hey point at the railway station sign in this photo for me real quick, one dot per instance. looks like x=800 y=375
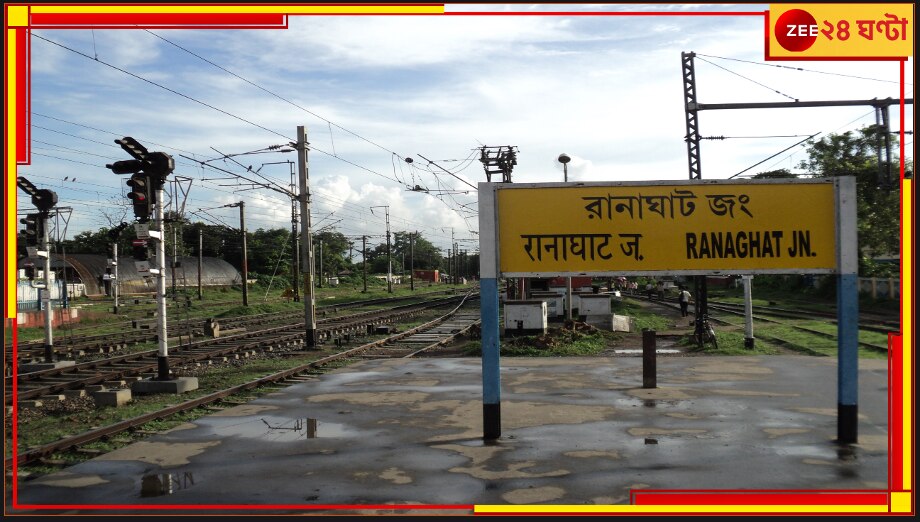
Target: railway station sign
x=681 y=227
x=693 y=227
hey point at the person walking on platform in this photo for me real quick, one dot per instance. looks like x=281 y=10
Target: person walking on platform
x=684 y=302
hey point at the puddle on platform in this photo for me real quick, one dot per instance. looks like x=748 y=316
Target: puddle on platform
x=278 y=429
x=162 y=484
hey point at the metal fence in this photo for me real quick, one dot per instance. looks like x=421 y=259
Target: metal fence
x=881 y=287
x=29 y=298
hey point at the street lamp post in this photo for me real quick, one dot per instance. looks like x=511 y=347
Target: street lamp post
x=565 y=159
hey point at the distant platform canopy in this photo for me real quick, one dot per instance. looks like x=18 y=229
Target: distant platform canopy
x=89 y=269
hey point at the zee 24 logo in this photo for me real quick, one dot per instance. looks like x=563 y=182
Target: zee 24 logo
x=797 y=30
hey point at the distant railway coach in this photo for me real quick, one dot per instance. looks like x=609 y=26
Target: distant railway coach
x=431 y=276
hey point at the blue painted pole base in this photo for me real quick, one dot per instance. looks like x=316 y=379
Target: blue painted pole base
x=491 y=421
x=847 y=423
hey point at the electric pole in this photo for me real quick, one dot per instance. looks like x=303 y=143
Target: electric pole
x=200 y=254
x=364 y=259
x=245 y=254
x=321 y=273
x=389 y=257
x=295 y=252
x=306 y=243
x=412 y=261
x=242 y=206
x=172 y=225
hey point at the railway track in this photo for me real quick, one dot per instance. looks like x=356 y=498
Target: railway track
x=866 y=322
x=738 y=310
x=421 y=339
x=826 y=335
x=113 y=371
x=137 y=331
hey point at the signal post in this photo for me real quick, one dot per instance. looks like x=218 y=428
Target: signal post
x=38 y=244
x=148 y=176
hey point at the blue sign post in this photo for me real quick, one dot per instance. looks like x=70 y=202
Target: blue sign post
x=847 y=312
x=488 y=298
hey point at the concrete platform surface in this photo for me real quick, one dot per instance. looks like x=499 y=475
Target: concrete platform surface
x=575 y=431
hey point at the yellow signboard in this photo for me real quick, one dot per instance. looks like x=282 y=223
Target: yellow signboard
x=840 y=31
x=745 y=227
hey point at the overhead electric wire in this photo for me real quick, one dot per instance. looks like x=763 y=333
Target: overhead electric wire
x=329 y=122
x=165 y=88
x=753 y=137
x=775 y=155
x=803 y=69
x=750 y=80
x=230 y=114
x=818 y=134
x=34 y=126
x=107 y=132
x=216 y=109
x=63 y=148
x=69 y=160
x=112 y=144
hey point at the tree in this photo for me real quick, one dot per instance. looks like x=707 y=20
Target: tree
x=427 y=256
x=877 y=206
x=116 y=211
x=775 y=174
x=334 y=251
x=97 y=242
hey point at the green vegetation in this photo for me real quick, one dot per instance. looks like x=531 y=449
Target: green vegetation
x=645 y=318
x=53 y=427
x=49 y=428
x=731 y=343
x=557 y=342
x=96 y=317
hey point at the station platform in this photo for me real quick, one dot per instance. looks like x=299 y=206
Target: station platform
x=575 y=431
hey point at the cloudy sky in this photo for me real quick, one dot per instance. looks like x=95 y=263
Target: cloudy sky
x=372 y=91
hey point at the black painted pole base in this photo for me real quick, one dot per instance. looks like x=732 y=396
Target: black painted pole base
x=847 y=423
x=162 y=368
x=49 y=353
x=311 y=338
x=491 y=421
x=649 y=362
x=749 y=342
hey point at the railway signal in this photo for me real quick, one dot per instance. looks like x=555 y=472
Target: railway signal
x=141 y=197
x=140 y=250
x=148 y=175
x=149 y=171
x=35 y=229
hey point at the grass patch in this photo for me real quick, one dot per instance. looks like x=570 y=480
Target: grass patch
x=865 y=336
x=643 y=317
x=96 y=316
x=731 y=343
x=557 y=342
